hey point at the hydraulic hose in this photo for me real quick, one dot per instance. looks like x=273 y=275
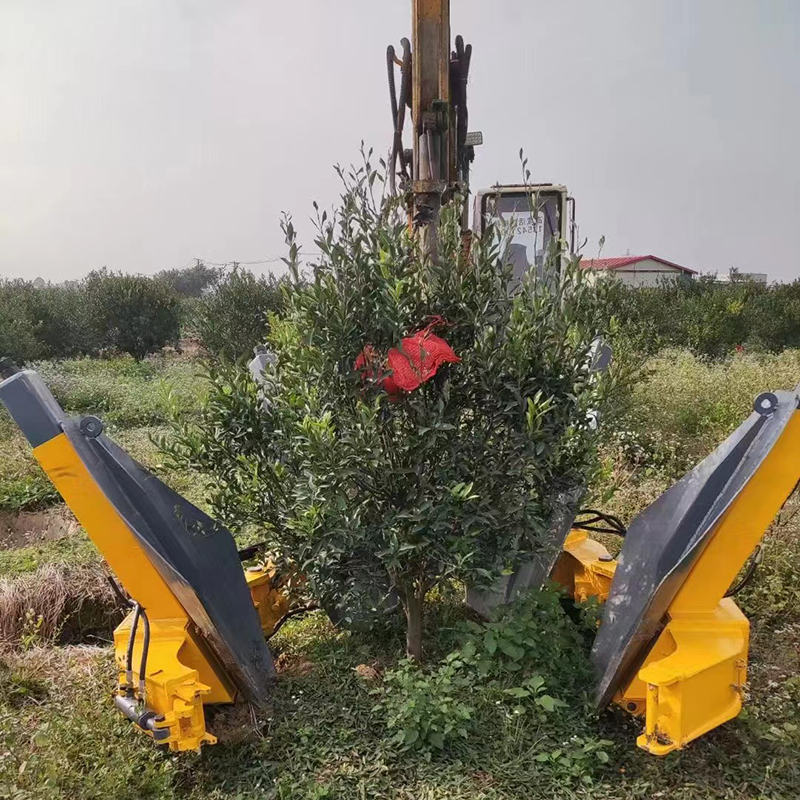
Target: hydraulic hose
x=137 y=612
x=405 y=100
x=611 y=524
x=390 y=56
x=748 y=573
x=145 y=649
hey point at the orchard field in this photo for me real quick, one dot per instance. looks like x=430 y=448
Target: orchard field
x=329 y=731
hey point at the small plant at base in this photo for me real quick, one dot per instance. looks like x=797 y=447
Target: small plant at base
x=31 y=629
x=424 y=708
x=534 y=631
x=576 y=757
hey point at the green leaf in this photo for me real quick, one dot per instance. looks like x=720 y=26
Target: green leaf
x=512 y=650
x=536 y=682
x=546 y=702
x=410 y=735
x=436 y=739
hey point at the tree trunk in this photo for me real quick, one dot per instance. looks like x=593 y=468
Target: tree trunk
x=412 y=605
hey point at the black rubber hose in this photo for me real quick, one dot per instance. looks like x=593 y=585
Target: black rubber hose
x=137 y=611
x=390 y=56
x=145 y=649
x=614 y=524
x=405 y=100
x=748 y=573
x=123 y=601
x=393 y=101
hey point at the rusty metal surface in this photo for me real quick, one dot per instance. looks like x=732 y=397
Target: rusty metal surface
x=430 y=25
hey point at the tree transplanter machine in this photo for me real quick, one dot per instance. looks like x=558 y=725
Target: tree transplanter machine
x=671 y=648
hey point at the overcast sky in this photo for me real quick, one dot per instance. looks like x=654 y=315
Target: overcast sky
x=139 y=134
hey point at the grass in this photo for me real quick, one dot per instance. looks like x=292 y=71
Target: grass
x=322 y=738
x=74 y=550
x=679 y=412
x=325 y=734
x=134 y=399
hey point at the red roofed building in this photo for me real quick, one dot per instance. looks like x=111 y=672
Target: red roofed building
x=638 y=270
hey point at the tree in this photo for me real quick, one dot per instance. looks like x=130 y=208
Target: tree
x=65 y=321
x=132 y=313
x=19 y=330
x=361 y=483
x=234 y=317
x=191 y=281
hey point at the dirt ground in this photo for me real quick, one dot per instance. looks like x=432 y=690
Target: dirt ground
x=25 y=528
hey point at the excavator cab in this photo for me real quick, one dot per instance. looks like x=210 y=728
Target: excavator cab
x=537 y=216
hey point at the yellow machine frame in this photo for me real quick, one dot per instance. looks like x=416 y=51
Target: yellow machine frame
x=693 y=677
x=690 y=681
x=182 y=673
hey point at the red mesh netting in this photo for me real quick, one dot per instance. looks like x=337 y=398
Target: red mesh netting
x=416 y=360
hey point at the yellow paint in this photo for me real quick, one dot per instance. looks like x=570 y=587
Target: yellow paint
x=693 y=678
x=584 y=568
x=696 y=672
x=181 y=673
x=269 y=592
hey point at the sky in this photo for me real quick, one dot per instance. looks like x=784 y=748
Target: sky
x=141 y=134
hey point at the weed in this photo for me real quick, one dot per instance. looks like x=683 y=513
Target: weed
x=422 y=708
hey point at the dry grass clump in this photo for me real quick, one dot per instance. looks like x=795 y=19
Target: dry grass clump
x=56 y=603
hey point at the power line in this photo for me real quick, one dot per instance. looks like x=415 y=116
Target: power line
x=272 y=260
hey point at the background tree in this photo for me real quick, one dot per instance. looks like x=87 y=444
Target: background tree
x=234 y=317
x=132 y=313
x=19 y=330
x=191 y=281
x=363 y=486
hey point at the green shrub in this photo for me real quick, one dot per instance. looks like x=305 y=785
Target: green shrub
x=529 y=666
x=367 y=490
x=66 y=323
x=19 y=329
x=132 y=313
x=191 y=281
x=50 y=321
x=709 y=318
x=128 y=313
x=422 y=708
x=234 y=317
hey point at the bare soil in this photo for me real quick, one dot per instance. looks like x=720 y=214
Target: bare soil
x=26 y=528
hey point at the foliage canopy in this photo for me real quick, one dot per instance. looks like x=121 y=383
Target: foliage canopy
x=369 y=493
